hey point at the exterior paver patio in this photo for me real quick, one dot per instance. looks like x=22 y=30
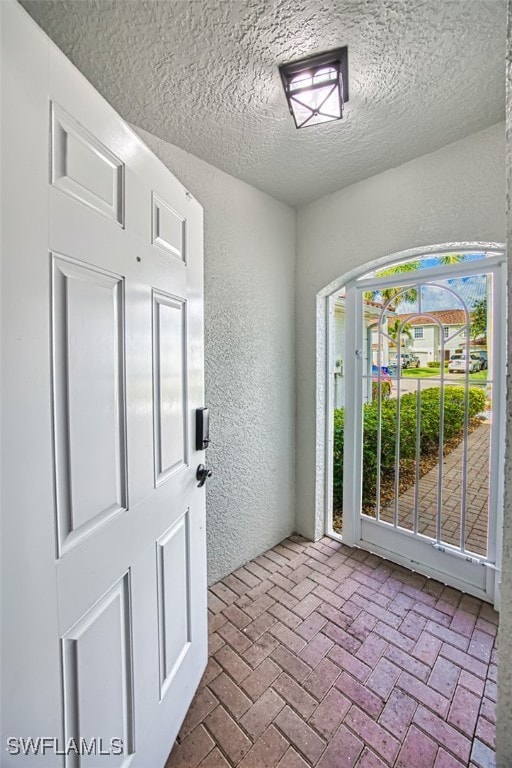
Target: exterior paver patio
x=477 y=496
x=326 y=656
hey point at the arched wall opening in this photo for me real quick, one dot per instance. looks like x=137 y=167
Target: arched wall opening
x=326 y=373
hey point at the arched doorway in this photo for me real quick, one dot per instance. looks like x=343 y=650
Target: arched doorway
x=415 y=350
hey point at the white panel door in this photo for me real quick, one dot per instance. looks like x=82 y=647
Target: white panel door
x=103 y=547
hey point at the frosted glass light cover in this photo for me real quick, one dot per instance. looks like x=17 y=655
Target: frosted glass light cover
x=316 y=87
x=316 y=106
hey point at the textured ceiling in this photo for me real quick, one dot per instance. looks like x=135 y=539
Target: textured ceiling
x=202 y=74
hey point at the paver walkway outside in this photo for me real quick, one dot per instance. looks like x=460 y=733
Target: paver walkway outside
x=476 y=502
x=326 y=656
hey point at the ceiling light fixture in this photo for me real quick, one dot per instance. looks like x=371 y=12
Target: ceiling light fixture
x=316 y=88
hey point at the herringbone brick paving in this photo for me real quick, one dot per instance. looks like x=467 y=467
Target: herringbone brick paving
x=476 y=496
x=326 y=656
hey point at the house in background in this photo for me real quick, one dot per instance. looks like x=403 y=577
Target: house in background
x=426 y=333
x=372 y=311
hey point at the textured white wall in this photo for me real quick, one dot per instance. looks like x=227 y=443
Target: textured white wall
x=504 y=707
x=455 y=194
x=249 y=360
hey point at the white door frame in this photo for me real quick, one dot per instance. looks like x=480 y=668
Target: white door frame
x=326 y=368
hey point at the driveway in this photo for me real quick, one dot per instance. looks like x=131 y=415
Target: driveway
x=409 y=384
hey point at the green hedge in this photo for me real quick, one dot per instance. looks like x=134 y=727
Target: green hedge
x=385 y=387
x=429 y=438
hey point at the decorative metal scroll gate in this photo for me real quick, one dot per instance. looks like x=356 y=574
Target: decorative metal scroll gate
x=422 y=481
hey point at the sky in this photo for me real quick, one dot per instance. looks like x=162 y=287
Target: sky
x=468 y=289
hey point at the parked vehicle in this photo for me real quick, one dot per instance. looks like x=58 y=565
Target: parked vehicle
x=484 y=361
x=405 y=360
x=461 y=363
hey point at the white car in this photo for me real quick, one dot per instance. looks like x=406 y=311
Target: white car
x=406 y=360
x=461 y=364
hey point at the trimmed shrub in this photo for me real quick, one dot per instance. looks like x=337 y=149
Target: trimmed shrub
x=430 y=430
x=338 y=447
x=433 y=364
x=385 y=387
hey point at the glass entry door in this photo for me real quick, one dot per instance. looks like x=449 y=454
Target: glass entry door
x=422 y=483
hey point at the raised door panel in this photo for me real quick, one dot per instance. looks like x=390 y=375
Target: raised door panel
x=167 y=228
x=173 y=574
x=84 y=168
x=169 y=377
x=98 y=683
x=88 y=362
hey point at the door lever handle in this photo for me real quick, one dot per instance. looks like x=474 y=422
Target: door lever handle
x=202 y=474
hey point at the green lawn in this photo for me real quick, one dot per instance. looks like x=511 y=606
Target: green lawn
x=422 y=373
x=482 y=375
x=426 y=373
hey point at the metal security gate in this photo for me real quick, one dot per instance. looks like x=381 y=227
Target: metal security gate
x=423 y=397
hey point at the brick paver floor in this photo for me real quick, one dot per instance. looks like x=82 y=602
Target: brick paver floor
x=476 y=502
x=326 y=656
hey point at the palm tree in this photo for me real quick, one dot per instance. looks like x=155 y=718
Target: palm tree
x=404 y=332
x=451 y=258
x=479 y=320
x=400 y=295
x=395 y=296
